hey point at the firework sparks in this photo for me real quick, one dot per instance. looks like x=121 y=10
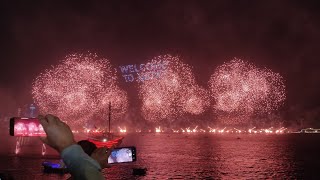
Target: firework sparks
x=195 y=100
x=79 y=88
x=172 y=94
x=239 y=87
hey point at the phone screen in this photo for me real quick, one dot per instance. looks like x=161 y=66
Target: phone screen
x=122 y=155
x=26 y=127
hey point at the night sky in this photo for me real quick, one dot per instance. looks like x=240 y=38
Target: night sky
x=280 y=35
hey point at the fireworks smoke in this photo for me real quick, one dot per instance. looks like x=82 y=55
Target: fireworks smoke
x=240 y=88
x=79 y=89
x=172 y=94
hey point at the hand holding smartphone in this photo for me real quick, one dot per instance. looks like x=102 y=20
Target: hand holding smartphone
x=118 y=155
x=122 y=155
x=31 y=127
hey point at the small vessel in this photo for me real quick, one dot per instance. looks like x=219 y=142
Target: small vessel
x=139 y=171
x=310 y=130
x=107 y=139
x=51 y=167
x=108 y=144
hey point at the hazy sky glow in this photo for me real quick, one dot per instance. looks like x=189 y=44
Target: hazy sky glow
x=280 y=35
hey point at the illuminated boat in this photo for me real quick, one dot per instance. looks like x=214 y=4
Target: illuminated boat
x=108 y=144
x=56 y=168
x=310 y=130
x=107 y=139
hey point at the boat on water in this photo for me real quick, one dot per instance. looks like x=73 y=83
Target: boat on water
x=107 y=143
x=107 y=139
x=55 y=168
x=309 y=130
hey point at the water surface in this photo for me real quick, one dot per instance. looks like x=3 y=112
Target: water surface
x=191 y=156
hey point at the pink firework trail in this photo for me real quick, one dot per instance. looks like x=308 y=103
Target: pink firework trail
x=241 y=88
x=174 y=93
x=79 y=89
x=194 y=100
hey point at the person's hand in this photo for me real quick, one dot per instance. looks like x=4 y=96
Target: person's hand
x=101 y=155
x=59 y=135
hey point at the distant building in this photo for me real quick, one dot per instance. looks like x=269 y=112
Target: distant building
x=310 y=130
x=28 y=110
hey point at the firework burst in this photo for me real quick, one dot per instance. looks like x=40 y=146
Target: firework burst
x=241 y=88
x=79 y=88
x=172 y=94
x=195 y=100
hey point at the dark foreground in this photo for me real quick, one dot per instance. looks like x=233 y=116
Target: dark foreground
x=191 y=156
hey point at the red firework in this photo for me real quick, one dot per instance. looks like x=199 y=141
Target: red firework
x=173 y=93
x=241 y=88
x=79 y=88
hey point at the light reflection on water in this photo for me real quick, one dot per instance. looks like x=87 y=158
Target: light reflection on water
x=202 y=156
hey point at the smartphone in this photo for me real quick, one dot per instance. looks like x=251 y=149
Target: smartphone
x=122 y=155
x=25 y=127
